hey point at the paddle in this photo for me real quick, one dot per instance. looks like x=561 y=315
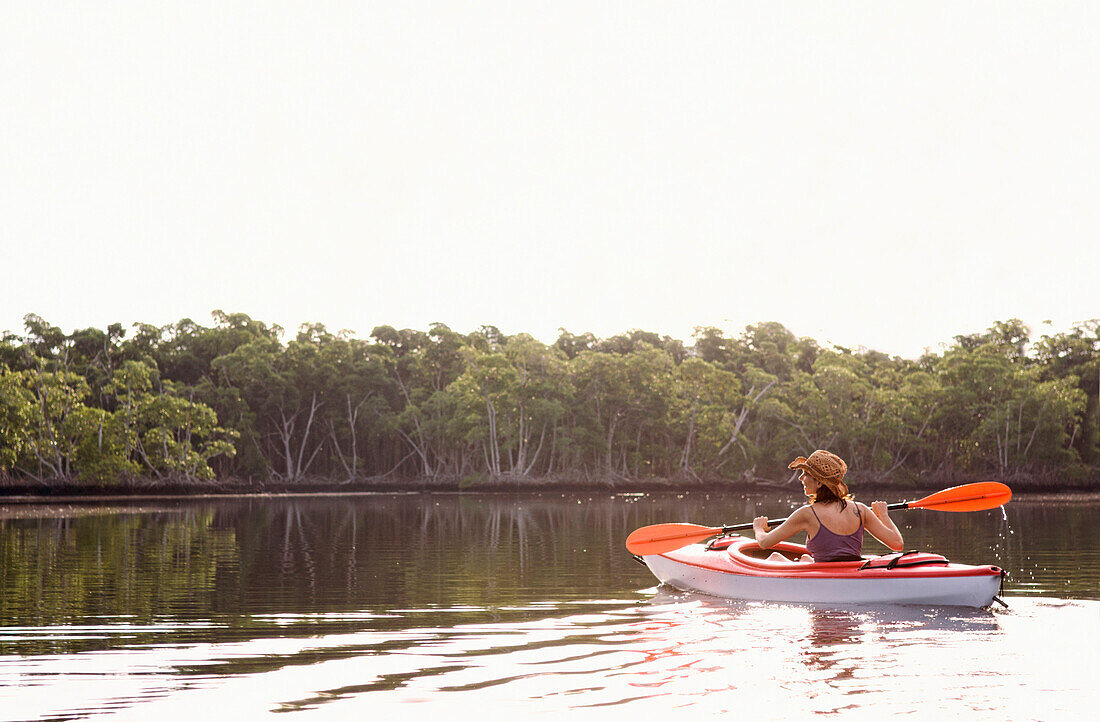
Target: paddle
x=660 y=538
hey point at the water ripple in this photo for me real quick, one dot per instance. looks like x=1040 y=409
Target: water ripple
x=666 y=651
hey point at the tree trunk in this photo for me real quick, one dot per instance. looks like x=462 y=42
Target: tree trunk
x=743 y=414
x=542 y=437
x=611 y=424
x=685 y=456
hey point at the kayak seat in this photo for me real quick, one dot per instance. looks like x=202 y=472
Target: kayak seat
x=764 y=554
x=749 y=554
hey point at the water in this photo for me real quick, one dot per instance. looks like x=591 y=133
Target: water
x=422 y=604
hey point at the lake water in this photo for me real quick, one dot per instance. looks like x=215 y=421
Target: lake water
x=429 y=604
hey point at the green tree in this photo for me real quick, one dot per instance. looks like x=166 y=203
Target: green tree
x=59 y=422
x=1076 y=354
x=709 y=413
x=284 y=389
x=999 y=414
x=17 y=410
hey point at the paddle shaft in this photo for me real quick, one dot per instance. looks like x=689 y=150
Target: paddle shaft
x=776 y=522
x=660 y=538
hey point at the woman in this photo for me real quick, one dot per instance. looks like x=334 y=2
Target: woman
x=833 y=521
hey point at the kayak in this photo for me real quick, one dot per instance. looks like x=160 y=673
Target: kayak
x=735 y=567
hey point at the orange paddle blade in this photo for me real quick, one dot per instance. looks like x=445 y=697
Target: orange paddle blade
x=968 y=497
x=660 y=538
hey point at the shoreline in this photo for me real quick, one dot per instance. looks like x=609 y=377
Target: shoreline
x=1032 y=496
x=147 y=490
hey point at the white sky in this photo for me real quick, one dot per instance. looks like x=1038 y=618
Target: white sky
x=876 y=174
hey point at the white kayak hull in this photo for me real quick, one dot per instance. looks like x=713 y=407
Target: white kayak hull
x=735 y=576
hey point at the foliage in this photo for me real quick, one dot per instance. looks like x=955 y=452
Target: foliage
x=234 y=400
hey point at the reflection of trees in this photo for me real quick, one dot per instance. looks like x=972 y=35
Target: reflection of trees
x=440 y=549
x=238 y=556
x=497 y=549
x=57 y=570
x=233 y=559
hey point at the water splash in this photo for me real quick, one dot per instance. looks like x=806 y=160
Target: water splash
x=1002 y=549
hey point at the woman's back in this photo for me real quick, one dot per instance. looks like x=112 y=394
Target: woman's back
x=839 y=536
x=835 y=519
x=832 y=520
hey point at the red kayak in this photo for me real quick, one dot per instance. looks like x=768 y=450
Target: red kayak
x=735 y=567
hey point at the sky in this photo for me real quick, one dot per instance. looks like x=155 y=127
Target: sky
x=878 y=175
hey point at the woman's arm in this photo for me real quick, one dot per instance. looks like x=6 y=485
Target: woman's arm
x=877 y=521
x=795 y=523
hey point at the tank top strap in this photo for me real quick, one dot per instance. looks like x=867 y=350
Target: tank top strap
x=815 y=514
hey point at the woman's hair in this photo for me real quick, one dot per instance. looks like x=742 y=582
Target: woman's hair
x=825 y=495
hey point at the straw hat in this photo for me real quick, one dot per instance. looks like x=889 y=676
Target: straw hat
x=826 y=467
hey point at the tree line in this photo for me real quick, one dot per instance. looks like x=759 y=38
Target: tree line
x=233 y=401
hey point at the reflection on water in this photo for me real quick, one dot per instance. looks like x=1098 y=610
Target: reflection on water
x=58 y=570
x=335 y=606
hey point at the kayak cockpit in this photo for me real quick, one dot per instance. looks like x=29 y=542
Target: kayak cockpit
x=748 y=553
